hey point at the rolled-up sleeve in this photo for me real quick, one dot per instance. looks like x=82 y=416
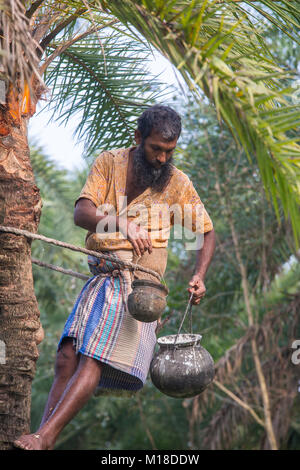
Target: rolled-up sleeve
x=194 y=215
x=95 y=187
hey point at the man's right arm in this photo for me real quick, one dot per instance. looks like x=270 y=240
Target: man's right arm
x=85 y=216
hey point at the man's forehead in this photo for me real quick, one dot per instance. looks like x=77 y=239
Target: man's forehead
x=157 y=138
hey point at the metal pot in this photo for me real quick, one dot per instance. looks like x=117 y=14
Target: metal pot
x=147 y=300
x=181 y=368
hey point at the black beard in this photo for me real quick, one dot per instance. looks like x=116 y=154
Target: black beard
x=145 y=175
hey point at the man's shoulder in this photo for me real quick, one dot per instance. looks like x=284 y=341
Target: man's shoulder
x=112 y=154
x=108 y=158
x=179 y=178
x=177 y=187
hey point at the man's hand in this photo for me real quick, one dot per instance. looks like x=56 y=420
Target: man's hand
x=203 y=260
x=85 y=216
x=197 y=287
x=137 y=236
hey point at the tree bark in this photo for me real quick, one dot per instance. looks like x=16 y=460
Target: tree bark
x=20 y=328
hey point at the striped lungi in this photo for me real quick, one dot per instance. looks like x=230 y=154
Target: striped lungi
x=102 y=327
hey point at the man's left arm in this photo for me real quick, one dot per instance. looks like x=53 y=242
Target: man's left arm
x=203 y=260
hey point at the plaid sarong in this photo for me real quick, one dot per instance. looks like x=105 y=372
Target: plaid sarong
x=103 y=328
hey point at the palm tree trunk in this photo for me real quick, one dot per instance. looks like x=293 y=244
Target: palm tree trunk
x=20 y=328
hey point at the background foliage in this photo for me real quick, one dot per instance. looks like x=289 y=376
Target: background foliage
x=222 y=175
x=228 y=52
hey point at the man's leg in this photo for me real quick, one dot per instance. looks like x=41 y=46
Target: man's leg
x=79 y=389
x=65 y=366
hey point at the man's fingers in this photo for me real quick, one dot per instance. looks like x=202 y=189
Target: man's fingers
x=140 y=245
x=197 y=290
x=149 y=245
x=146 y=241
x=197 y=296
x=136 y=247
x=145 y=244
x=139 y=239
x=196 y=300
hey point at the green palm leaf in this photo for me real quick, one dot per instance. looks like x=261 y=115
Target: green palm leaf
x=107 y=88
x=221 y=51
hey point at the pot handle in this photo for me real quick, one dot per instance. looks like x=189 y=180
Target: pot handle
x=188 y=310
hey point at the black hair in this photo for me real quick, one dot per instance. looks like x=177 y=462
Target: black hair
x=162 y=119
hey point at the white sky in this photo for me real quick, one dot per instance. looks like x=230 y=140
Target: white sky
x=58 y=142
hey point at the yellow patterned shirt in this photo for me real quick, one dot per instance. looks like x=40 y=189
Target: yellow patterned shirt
x=179 y=204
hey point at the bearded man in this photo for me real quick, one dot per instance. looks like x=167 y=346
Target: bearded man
x=102 y=346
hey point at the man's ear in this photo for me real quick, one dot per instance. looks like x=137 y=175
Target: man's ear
x=138 y=136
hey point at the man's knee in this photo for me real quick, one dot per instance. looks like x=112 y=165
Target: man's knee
x=66 y=359
x=88 y=363
x=89 y=368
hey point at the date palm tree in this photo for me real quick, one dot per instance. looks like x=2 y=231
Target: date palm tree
x=221 y=50
x=81 y=49
x=96 y=72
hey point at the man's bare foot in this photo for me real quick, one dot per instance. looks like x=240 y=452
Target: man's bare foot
x=32 y=442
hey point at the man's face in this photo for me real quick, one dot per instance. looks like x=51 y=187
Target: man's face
x=158 y=151
x=152 y=161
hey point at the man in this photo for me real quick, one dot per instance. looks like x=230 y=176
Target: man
x=102 y=345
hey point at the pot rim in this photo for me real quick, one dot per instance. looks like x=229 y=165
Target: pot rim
x=186 y=339
x=147 y=283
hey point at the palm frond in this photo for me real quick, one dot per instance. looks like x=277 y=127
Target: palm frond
x=221 y=51
x=106 y=89
x=285 y=15
x=18 y=49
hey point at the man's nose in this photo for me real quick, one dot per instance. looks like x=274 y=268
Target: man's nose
x=162 y=158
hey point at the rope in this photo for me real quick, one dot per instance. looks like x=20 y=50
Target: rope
x=188 y=310
x=52 y=241
x=84 y=277
x=135 y=266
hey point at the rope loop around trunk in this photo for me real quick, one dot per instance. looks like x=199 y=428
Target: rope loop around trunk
x=69 y=246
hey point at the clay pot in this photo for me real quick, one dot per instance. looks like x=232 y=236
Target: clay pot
x=147 y=300
x=183 y=369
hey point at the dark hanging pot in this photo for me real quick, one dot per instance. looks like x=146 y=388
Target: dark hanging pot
x=147 y=301
x=181 y=368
